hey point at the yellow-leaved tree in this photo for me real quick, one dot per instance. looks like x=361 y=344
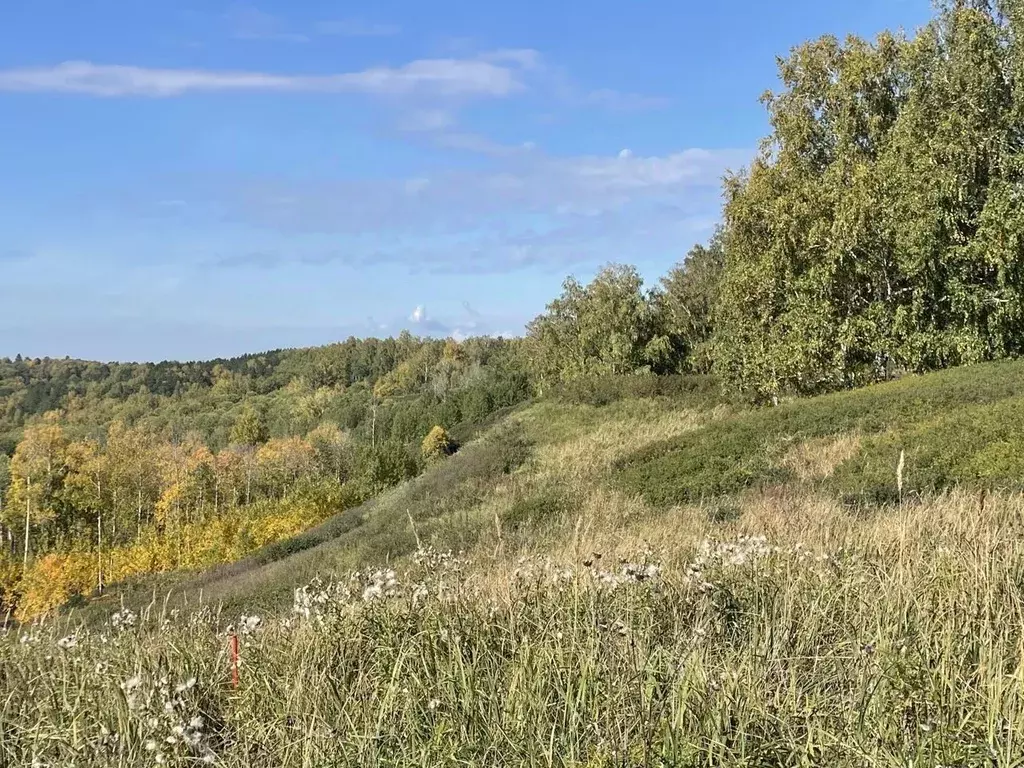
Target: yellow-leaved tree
x=36 y=474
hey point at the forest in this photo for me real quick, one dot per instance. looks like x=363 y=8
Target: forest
x=877 y=233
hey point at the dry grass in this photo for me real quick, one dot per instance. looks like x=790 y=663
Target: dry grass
x=816 y=459
x=884 y=641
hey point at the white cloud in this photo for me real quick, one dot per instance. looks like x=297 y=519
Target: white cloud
x=419 y=315
x=474 y=142
x=444 y=77
x=426 y=120
x=247 y=22
x=527 y=58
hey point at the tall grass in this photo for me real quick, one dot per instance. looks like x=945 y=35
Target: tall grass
x=889 y=641
x=583 y=626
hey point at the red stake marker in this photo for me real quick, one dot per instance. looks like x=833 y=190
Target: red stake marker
x=234 y=660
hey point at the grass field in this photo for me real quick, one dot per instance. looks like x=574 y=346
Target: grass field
x=806 y=613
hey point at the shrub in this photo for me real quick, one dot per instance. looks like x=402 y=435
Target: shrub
x=437 y=445
x=545 y=505
x=701 y=391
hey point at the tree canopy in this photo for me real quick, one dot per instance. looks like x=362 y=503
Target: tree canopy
x=879 y=230
x=606 y=327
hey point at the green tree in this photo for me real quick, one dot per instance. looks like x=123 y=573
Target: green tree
x=84 y=489
x=686 y=301
x=333 y=451
x=879 y=230
x=37 y=470
x=250 y=428
x=6 y=534
x=606 y=327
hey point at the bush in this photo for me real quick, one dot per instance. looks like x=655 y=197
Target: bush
x=701 y=391
x=543 y=506
x=979 y=446
x=437 y=445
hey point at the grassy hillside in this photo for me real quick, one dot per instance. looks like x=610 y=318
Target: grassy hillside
x=610 y=462
x=613 y=596
x=958 y=428
x=522 y=480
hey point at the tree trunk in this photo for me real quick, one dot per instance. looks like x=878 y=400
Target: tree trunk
x=99 y=552
x=28 y=517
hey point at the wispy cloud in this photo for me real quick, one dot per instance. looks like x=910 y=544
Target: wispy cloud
x=568 y=91
x=534 y=210
x=14 y=254
x=445 y=77
x=250 y=23
x=532 y=182
x=247 y=22
x=458 y=325
x=426 y=120
x=440 y=127
x=259 y=259
x=527 y=58
x=356 y=28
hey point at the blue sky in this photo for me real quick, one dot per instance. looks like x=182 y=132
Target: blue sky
x=193 y=178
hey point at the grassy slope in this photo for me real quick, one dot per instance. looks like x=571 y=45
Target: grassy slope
x=852 y=635
x=962 y=427
x=513 y=488
x=563 y=477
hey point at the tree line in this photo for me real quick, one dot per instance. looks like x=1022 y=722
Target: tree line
x=104 y=487
x=879 y=231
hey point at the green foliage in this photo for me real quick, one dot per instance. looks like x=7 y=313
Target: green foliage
x=957 y=427
x=385 y=465
x=142 y=458
x=696 y=391
x=295 y=390
x=979 y=446
x=878 y=231
x=250 y=428
x=438 y=502
x=606 y=327
x=543 y=507
x=686 y=302
x=5 y=476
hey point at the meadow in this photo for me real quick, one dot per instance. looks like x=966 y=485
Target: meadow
x=832 y=640
x=521 y=604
